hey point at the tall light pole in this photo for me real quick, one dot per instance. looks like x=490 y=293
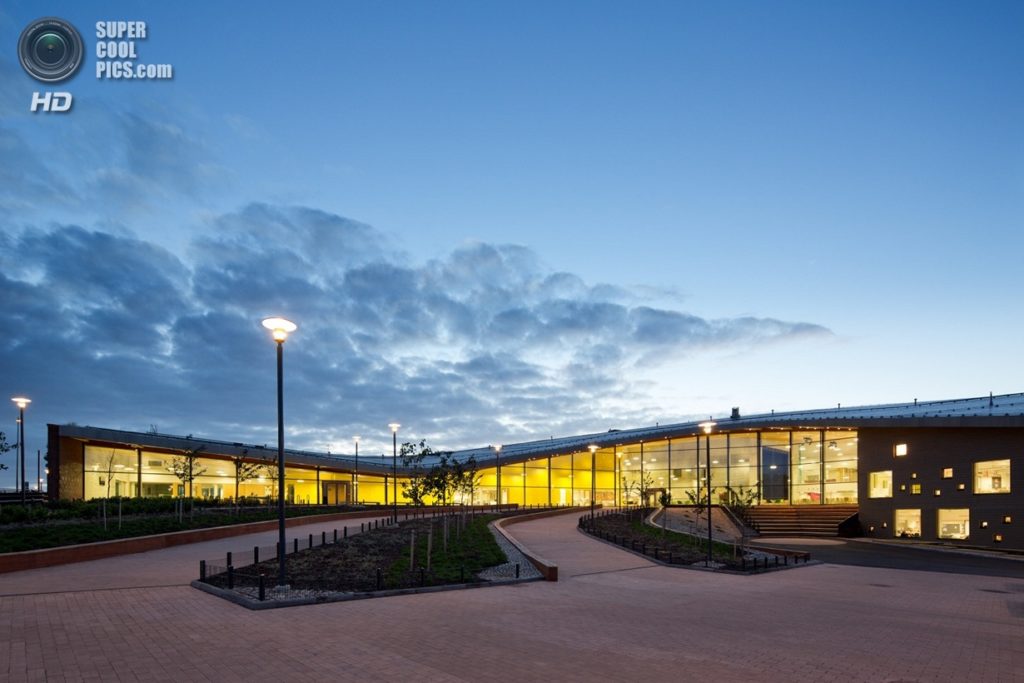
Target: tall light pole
x=355 y=476
x=707 y=427
x=593 y=475
x=21 y=402
x=394 y=468
x=497 y=475
x=280 y=328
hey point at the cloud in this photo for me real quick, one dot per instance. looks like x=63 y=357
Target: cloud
x=483 y=345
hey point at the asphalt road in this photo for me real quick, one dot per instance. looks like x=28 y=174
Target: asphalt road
x=892 y=556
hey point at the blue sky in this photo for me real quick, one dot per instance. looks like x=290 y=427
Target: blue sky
x=495 y=221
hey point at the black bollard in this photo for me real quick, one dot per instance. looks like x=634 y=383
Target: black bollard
x=296 y=544
x=323 y=537
x=202 y=570
x=517 y=570
x=228 y=563
x=362 y=526
x=231 y=577
x=380 y=579
x=263 y=588
x=311 y=540
x=255 y=554
x=335 y=535
x=344 y=532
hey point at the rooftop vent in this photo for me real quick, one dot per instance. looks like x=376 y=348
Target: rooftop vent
x=735 y=413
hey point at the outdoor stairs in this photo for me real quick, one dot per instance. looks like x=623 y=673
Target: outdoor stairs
x=799 y=520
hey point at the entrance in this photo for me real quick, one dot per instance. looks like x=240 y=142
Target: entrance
x=774 y=475
x=334 y=492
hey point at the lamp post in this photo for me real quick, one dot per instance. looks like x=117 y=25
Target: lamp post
x=394 y=468
x=497 y=475
x=21 y=402
x=280 y=328
x=355 y=476
x=593 y=480
x=707 y=427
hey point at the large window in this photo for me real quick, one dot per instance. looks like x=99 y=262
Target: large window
x=907 y=524
x=992 y=476
x=954 y=523
x=880 y=484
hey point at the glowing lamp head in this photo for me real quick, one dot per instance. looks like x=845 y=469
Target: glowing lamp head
x=280 y=328
x=497 y=449
x=394 y=427
x=593 y=448
x=707 y=426
x=21 y=401
x=356 y=438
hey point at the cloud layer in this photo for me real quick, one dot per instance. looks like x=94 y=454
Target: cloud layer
x=483 y=345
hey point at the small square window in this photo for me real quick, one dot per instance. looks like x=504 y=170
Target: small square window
x=913 y=475
x=984 y=525
x=903 y=487
x=947 y=473
x=938 y=492
x=961 y=487
x=998 y=538
x=915 y=489
x=1007 y=519
x=900 y=450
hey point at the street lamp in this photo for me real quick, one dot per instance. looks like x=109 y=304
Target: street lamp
x=593 y=485
x=394 y=468
x=21 y=402
x=707 y=427
x=355 y=476
x=497 y=476
x=280 y=328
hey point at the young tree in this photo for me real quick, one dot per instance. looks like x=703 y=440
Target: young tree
x=445 y=477
x=186 y=469
x=468 y=479
x=4 y=447
x=244 y=471
x=418 y=485
x=639 y=486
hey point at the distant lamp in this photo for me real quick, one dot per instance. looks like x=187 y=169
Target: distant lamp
x=593 y=481
x=21 y=402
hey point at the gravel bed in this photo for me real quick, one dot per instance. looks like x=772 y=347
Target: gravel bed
x=508 y=570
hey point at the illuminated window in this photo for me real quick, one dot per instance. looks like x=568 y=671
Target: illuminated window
x=961 y=487
x=900 y=450
x=907 y=524
x=903 y=487
x=998 y=538
x=938 y=492
x=954 y=524
x=947 y=473
x=915 y=489
x=1007 y=519
x=984 y=525
x=992 y=476
x=880 y=484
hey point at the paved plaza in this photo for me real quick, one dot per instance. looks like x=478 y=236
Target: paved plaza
x=611 y=616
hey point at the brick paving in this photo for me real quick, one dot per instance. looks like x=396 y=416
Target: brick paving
x=612 y=616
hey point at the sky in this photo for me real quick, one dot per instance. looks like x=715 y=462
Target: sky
x=501 y=221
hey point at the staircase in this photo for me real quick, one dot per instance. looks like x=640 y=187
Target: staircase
x=799 y=520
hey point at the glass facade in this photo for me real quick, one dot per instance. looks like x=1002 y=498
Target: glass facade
x=992 y=476
x=777 y=466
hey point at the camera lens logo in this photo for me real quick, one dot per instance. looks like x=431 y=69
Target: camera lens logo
x=50 y=50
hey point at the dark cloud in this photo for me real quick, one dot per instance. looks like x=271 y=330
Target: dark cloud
x=483 y=345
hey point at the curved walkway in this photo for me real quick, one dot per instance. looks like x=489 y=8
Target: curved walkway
x=612 y=616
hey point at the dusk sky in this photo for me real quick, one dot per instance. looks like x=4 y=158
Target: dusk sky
x=494 y=222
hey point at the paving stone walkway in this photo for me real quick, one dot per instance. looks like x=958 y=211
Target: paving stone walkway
x=611 y=617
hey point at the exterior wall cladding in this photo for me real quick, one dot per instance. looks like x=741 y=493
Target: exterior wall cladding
x=930 y=451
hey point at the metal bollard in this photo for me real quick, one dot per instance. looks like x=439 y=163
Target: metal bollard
x=231 y=577
x=255 y=554
x=335 y=535
x=517 y=570
x=296 y=539
x=202 y=570
x=228 y=563
x=263 y=588
x=344 y=532
x=362 y=527
x=311 y=541
x=323 y=537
